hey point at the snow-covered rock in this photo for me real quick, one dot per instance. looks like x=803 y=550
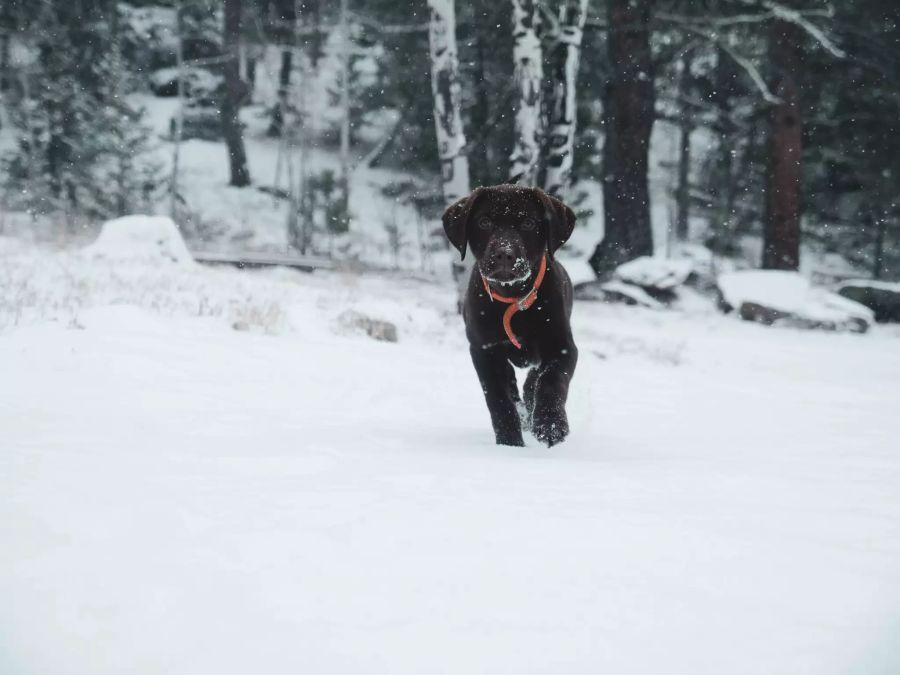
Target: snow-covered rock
x=198 y=82
x=352 y=321
x=882 y=297
x=787 y=298
x=661 y=274
x=616 y=291
x=148 y=238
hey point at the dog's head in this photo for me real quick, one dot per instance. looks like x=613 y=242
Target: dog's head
x=508 y=228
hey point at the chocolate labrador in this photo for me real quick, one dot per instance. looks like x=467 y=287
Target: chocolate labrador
x=517 y=306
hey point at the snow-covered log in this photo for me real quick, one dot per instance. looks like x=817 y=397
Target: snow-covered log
x=564 y=57
x=445 y=91
x=529 y=74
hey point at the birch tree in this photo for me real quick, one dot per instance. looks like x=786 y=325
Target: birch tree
x=445 y=90
x=565 y=53
x=528 y=60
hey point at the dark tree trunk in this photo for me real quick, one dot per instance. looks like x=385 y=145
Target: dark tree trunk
x=234 y=94
x=723 y=184
x=629 y=117
x=276 y=127
x=686 y=128
x=683 y=190
x=286 y=15
x=880 y=223
x=4 y=61
x=781 y=235
x=479 y=167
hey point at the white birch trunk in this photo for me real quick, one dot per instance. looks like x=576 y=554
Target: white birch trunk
x=445 y=91
x=528 y=60
x=566 y=53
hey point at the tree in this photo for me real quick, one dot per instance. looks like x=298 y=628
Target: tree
x=529 y=75
x=283 y=20
x=781 y=233
x=235 y=92
x=629 y=118
x=564 y=55
x=81 y=150
x=445 y=90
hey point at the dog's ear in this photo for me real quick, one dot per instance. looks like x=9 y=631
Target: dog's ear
x=456 y=221
x=559 y=221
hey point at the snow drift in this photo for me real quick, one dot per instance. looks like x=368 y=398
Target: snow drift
x=147 y=238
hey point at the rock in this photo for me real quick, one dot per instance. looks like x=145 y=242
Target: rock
x=199 y=83
x=773 y=297
x=150 y=238
x=882 y=297
x=654 y=273
x=375 y=328
x=616 y=291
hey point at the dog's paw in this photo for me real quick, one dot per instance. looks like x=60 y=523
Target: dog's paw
x=510 y=439
x=550 y=428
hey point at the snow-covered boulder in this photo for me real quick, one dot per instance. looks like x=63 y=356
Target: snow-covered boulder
x=199 y=83
x=882 y=297
x=645 y=281
x=660 y=274
x=148 y=238
x=787 y=298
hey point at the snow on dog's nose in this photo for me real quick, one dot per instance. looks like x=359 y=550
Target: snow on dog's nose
x=505 y=261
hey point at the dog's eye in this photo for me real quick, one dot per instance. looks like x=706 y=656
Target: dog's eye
x=484 y=223
x=529 y=224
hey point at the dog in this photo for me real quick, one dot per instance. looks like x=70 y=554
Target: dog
x=517 y=306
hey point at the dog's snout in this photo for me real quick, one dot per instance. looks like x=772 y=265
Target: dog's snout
x=504 y=255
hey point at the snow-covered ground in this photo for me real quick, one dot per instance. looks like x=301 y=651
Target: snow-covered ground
x=202 y=471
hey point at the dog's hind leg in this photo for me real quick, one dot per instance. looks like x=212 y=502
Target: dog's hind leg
x=501 y=393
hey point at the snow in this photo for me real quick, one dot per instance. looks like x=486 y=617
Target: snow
x=790 y=292
x=635 y=293
x=196 y=79
x=892 y=286
x=178 y=496
x=660 y=273
x=151 y=238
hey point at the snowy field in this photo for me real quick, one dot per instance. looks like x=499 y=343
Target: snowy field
x=209 y=471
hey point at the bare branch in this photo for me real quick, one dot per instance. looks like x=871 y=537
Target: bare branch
x=795 y=17
x=745 y=63
x=752 y=71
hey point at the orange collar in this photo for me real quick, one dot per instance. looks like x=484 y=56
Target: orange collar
x=517 y=304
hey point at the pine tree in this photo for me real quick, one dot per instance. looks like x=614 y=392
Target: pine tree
x=81 y=149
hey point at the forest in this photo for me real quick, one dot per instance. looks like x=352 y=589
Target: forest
x=712 y=122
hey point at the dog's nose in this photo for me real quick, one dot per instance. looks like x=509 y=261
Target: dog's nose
x=503 y=255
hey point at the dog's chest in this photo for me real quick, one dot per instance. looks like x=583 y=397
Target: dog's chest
x=490 y=333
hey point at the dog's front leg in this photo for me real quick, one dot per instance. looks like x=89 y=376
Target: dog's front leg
x=551 y=389
x=498 y=382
